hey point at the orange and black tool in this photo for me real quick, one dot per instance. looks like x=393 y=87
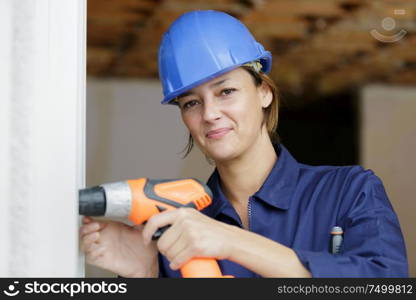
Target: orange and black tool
x=139 y=199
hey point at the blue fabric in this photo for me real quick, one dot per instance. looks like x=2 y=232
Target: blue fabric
x=298 y=205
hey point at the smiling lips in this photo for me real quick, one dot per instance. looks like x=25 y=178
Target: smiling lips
x=217 y=133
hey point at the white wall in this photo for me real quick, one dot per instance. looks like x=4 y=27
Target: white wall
x=42 y=76
x=388 y=146
x=131 y=135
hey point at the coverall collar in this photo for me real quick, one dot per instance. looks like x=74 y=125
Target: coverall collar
x=276 y=191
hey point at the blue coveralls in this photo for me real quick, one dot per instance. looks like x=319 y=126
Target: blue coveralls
x=298 y=205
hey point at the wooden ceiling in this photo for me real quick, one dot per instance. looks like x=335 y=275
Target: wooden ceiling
x=320 y=47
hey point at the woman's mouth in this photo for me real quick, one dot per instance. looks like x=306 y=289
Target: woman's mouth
x=217 y=133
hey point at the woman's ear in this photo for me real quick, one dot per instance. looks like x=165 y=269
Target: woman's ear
x=266 y=95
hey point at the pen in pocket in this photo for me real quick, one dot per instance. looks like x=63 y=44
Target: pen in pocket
x=336 y=234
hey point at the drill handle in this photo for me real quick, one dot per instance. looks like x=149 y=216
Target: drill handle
x=202 y=268
x=197 y=267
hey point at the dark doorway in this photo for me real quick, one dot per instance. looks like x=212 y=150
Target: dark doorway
x=322 y=132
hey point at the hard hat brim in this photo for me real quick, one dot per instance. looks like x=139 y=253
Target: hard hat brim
x=265 y=60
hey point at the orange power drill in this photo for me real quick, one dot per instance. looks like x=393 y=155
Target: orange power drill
x=139 y=199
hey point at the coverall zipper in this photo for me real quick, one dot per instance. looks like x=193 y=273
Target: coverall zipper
x=249 y=213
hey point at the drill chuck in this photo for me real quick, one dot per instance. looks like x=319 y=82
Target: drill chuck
x=92 y=201
x=112 y=200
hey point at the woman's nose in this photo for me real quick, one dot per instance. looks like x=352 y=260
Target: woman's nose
x=211 y=110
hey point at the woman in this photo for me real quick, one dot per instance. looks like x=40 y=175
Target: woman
x=271 y=216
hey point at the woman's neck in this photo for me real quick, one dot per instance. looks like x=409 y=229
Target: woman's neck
x=243 y=176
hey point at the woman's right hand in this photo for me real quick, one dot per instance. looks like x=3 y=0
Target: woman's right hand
x=119 y=248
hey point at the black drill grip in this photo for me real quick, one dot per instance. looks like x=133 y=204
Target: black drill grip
x=159 y=232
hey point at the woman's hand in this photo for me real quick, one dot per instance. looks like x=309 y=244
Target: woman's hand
x=192 y=234
x=119 y=248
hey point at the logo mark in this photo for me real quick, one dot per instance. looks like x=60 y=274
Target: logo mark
x=12 y=290
x=389 y=24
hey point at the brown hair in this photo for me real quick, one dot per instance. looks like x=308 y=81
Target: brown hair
x=271 y=113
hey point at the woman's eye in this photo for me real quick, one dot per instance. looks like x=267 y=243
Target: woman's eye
x=190 y=104
x=226 y=92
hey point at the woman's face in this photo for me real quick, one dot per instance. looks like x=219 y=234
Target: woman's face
x=225 y=114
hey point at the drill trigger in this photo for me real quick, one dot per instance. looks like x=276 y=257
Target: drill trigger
x=159 y=232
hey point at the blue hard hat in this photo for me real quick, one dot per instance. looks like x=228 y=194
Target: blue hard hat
x=201 y=45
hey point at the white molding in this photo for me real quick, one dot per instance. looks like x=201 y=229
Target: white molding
x=5 y=95
x=43 y=110
x=82 y=110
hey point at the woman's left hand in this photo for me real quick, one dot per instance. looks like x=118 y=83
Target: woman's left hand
x=192 y=234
